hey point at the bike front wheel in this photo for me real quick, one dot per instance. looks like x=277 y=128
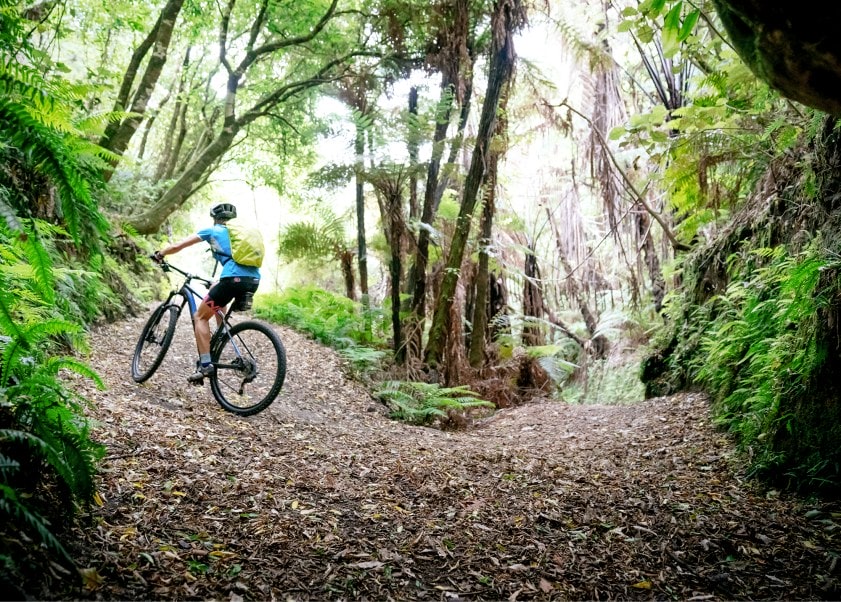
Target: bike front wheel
x=250 y=366
x=154 y=342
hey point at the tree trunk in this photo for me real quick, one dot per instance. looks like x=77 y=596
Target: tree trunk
x=428 y=214
x=415 y=322
x=652 y=259
x=117 y=141
x=346 y=259
x=121 y=103
x=362 y=249
x=389 y=184
x=147 y=127
x=395 y=211
x=449 y=169
x=481 y=301
x=502 y=62
x=166 y=165
x=532 y=300
x=169 y=172
x=414 y=141
x=479 y=321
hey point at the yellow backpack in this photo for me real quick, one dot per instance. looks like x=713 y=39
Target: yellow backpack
x=246 y=244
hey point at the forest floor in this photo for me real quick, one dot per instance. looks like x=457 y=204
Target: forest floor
x=323 y=497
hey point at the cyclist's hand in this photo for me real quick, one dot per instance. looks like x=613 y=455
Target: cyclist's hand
x=157 y=257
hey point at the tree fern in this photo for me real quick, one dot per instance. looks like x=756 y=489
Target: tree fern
x=322 y=238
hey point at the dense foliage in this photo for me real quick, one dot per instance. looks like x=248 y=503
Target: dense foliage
x=754 y=322
x=522 y=235
x=55 y=279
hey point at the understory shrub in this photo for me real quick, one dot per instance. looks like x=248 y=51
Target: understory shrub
x=46 y=452
x=426 y=403
x=51 y=244
x=330 y=319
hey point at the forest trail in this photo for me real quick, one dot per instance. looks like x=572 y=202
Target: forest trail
x=323 y=497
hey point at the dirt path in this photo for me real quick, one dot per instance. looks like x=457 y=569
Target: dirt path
x=323 y=497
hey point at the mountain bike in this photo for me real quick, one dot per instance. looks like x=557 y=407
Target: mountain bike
x=249 y=356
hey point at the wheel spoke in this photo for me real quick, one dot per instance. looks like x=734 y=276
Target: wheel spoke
x=250 y=368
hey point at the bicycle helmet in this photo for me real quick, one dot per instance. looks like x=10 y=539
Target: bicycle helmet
x=223 y=211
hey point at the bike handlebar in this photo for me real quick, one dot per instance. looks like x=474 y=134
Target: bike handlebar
x=168 y=266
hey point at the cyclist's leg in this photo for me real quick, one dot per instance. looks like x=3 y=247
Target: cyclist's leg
x=219 y=295
x=202 y=316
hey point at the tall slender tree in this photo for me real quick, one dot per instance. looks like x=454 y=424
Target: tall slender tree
x=482 y=302
x=508 y=17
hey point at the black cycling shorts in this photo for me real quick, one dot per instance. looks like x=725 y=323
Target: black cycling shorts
x=228 y=289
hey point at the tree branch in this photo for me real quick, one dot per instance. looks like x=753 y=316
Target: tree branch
x=223 y=35
x=676 y=244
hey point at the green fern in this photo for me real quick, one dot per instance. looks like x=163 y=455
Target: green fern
x=46 y=151
x=363 y=360
x=422 y=403
x=18 y=512
x=316 y=240
x=331 y=319
x=42 y=267
x=8 y=467
x=762 y=349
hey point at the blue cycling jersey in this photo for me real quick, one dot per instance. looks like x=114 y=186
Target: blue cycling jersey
x=220 y=244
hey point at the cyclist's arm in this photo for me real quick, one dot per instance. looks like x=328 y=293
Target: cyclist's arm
x=174 y=248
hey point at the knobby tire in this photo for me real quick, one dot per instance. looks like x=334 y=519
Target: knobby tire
x=250 y=368
x=158 y=331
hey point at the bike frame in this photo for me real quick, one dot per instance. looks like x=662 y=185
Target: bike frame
x=234 y=348
x=190 y=297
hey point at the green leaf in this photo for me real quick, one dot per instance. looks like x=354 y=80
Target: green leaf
x=657 y=6
x=617 y=132
x=672 y=20
x=688 y=25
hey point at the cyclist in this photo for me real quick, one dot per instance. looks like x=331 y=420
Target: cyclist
x=234 y=282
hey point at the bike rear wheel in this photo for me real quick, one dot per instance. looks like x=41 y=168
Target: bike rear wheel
x=250 y=368
x=154 y=342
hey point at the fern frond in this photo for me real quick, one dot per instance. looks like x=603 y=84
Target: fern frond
x=8 y=214
x=54 y=364
x=96 y=122
x=18 y=512
x=39 y=332
x=8 y=325
x=46 y=150
x=8 y=467
x=42 y=267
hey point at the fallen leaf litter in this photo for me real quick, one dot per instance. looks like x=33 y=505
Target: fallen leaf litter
x=322 y=496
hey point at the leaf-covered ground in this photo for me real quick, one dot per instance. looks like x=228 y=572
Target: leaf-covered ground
x=323 y=497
